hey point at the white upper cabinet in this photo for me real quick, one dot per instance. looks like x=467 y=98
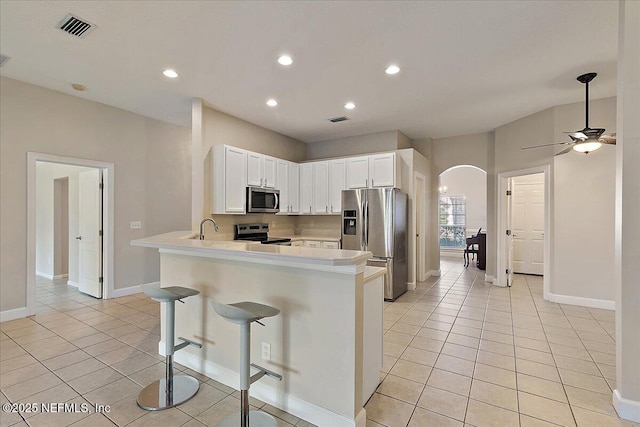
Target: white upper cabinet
x=269 y=172
x=337 y=183
x=320 y=187
x=377 y=170
x=261 y=170
x=228 y=189
x=306 y=188
x=294 y=187
x=289 y=185
x=282 y=167
x=382 y=170
x=358 y=172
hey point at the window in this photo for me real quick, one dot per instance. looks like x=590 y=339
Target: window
x=452 y=218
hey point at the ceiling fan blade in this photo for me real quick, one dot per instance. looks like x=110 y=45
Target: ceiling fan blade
x=547 y=145
x=565 y=151
x=608 y=139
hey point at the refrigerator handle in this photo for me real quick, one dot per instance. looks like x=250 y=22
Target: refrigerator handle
x=364 y=229
x=367 y=223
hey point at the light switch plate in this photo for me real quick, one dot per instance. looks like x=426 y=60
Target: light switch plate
x=135 y=225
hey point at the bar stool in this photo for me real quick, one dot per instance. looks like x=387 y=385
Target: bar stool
x=244 y=313
x=170 y=391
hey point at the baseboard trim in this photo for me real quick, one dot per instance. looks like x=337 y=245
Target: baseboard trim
x=411 y=286
x=585 y=302
x=45 y=275
x=260 y=390
x=626 y=409
x=117 y=293
x=60 y=276
x=16 y=313
x=434 y=273
x=489 y=278
x=74 y=284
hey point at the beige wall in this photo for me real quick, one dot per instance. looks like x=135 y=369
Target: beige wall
x=581 y=190
x=152 y=170
x=353 y=145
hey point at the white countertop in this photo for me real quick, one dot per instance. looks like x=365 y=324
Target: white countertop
x=187 y=243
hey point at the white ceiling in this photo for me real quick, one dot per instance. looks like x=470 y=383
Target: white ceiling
x=467 y=66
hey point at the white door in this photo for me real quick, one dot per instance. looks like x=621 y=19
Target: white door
x=382 y=170
x=528 y=224
x=358 y=172
x=337 y=183
x=419 y=197
x=90 y=226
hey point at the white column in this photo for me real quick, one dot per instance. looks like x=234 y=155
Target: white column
x=626 y=396
x=197 y=166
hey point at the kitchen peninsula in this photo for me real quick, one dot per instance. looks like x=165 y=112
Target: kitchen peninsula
x=326 y=343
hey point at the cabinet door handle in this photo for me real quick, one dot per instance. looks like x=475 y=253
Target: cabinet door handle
x=260 y=182
x=326 y=208
x=366 y=182
x=372 y=182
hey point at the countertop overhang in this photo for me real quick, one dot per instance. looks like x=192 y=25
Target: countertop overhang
x=187 y=243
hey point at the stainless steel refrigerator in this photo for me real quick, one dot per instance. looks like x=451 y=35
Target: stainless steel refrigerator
x=376 y=220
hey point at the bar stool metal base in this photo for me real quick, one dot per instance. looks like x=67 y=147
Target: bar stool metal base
x=154 y=396
x=256 y=419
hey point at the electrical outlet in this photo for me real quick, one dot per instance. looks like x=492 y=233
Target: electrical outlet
x=135 y=225
x=266 y=351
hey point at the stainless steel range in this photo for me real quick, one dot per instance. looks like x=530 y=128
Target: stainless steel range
x=258 y=233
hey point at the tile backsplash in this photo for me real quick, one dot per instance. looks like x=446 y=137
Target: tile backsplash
x=323 y=225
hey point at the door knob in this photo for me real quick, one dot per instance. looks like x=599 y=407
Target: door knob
x=79 y=238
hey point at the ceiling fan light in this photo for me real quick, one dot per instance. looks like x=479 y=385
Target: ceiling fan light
x=587 y=146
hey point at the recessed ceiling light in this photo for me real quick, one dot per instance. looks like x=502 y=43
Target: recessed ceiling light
x=285 y=60
x=272 y=102
x=79 y=87
x=349 y=105
x=170 y=73
x=392 y=69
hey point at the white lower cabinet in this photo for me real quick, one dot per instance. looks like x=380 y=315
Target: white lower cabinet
x=312 y=243
x=331 y=245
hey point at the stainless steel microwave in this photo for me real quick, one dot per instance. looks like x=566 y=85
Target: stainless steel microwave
x=263 y=200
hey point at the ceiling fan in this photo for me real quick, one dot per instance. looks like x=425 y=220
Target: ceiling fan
x=587 y=139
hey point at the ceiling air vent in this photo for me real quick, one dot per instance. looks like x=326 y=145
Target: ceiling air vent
x=339 y=119
x=75 y=26
x=3 y=59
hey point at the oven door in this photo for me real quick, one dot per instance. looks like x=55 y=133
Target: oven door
x=262 y=200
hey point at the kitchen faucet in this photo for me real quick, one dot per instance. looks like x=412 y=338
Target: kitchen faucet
x=215 y=226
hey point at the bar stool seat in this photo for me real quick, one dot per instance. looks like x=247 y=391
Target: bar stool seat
x=170 y=391
x=244 y=313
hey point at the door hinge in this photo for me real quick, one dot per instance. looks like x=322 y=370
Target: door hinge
x=508 y=232
x=101 y=186
x=100 y=233
x=100 y=279
x=507 y=271
x=508 y=192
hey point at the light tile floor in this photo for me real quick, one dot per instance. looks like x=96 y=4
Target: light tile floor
x=80 y=350
x=457 y=352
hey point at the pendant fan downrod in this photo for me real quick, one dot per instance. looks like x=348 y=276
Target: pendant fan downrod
x=586 y=78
